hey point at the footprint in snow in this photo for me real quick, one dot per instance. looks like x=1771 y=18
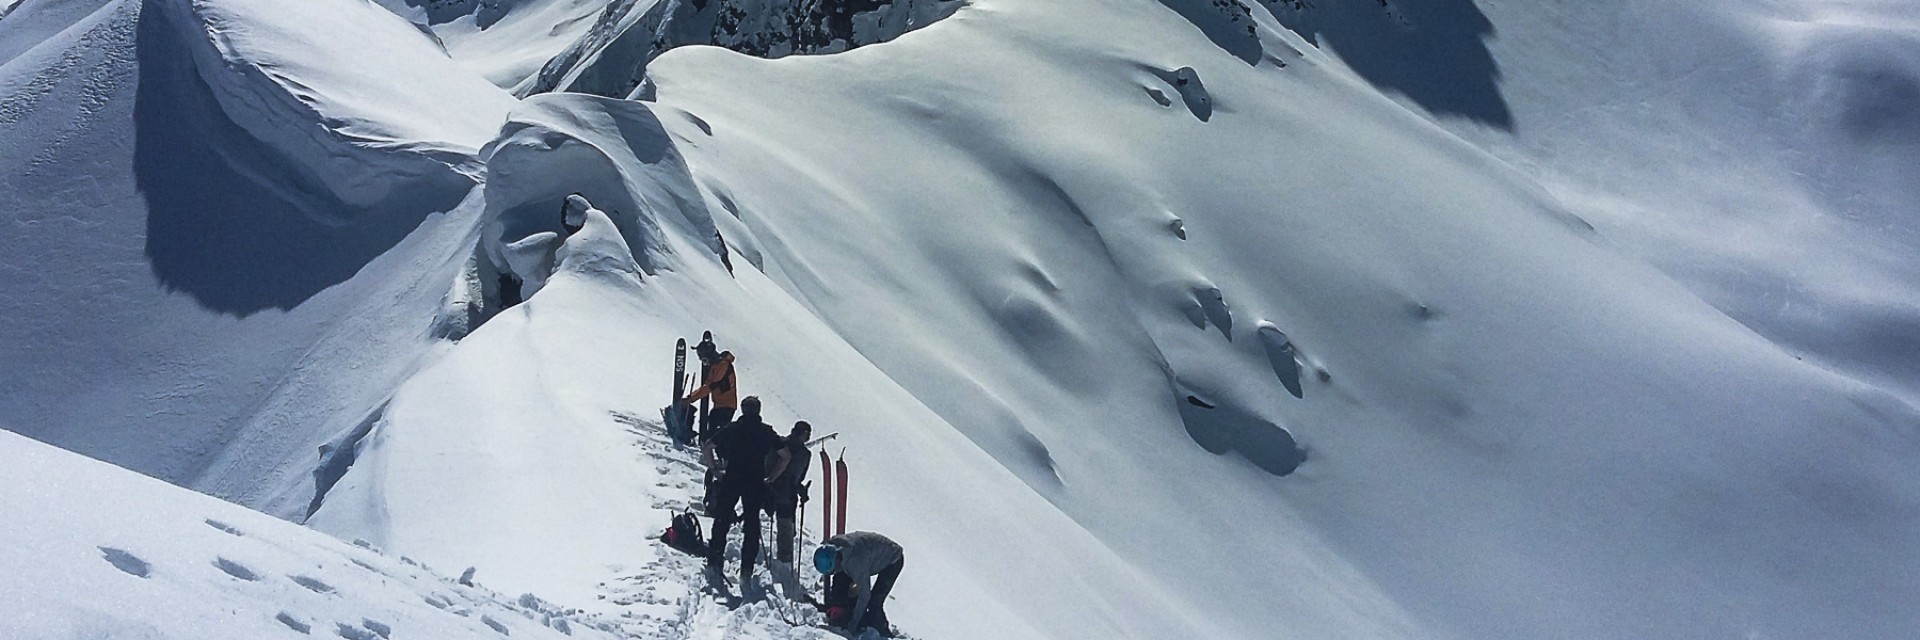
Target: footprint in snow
x=126 y=562
x=236 y=570
x=351 y=632
x=224 y=527
x=294 y=623
x=369 y=629
x=312 y=584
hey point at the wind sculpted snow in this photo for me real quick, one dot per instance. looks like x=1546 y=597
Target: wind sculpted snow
x=1466 y=333
x=1124 y=333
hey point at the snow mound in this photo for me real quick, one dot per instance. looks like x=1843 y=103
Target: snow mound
x=615 y=153
x=105 y=552
x=611 y=58
x=297 y=77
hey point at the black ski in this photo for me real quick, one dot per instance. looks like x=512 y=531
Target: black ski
x=675 y=413
x=706 y=337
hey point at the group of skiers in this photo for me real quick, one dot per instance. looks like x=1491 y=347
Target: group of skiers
x=751 y=469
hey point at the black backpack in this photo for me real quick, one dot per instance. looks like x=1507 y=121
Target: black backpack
x=684 y=535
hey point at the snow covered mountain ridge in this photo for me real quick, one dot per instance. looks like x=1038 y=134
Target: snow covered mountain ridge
x=1137 y=318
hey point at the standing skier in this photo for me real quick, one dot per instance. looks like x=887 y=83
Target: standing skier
x=720 y=384
x=861 y=555
x=748 y=457
x=783 y=501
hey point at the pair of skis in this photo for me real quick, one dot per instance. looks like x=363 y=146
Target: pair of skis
x=830 y=524
x=680 y=417
x=675 y=414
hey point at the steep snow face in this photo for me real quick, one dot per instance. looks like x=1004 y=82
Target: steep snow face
x=297 y=80
x=611 y=59
x=174 y=305
x=1503 y=412
x=1762 y=154
x=93 y=551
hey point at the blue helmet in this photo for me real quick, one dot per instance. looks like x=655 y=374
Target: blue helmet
x=826 y=558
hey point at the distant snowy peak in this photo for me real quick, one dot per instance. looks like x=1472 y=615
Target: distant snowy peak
x=611 y=58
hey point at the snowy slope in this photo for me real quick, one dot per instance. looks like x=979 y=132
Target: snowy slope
x=1763 y=154
x=106 y=553
x=1138 y=318
x=555 y=457
x=1521 y=431
x=181 y=299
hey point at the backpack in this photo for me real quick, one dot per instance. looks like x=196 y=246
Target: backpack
x=684 y=535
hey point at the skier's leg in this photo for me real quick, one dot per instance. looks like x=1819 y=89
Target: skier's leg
x=750 y=533
x=877 y=607
x=723 y=517
x=783 y=532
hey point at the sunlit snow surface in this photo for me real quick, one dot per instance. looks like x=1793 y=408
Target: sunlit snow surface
x=94 y=551
x=1137 y=318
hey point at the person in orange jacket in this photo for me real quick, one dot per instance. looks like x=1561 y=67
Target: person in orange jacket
x=721 y=385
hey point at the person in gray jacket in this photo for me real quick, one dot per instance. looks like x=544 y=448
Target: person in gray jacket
x=861 y=555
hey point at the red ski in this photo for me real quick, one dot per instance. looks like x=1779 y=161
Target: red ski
x=826 y=496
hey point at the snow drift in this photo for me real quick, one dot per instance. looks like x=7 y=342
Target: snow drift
x=297 y=80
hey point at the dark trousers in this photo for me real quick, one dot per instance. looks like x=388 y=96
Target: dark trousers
x=877 y=604
x=724 y=515
x=782 y=530
x=718 y=417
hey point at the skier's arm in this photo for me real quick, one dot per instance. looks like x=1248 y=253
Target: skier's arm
x=860 y=607
x=706 y=452
x=715 y=374
x=781 y=458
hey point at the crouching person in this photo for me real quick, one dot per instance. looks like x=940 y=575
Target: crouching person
x=860 y=556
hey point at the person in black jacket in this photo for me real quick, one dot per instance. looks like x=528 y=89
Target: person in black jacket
x=748 y=456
